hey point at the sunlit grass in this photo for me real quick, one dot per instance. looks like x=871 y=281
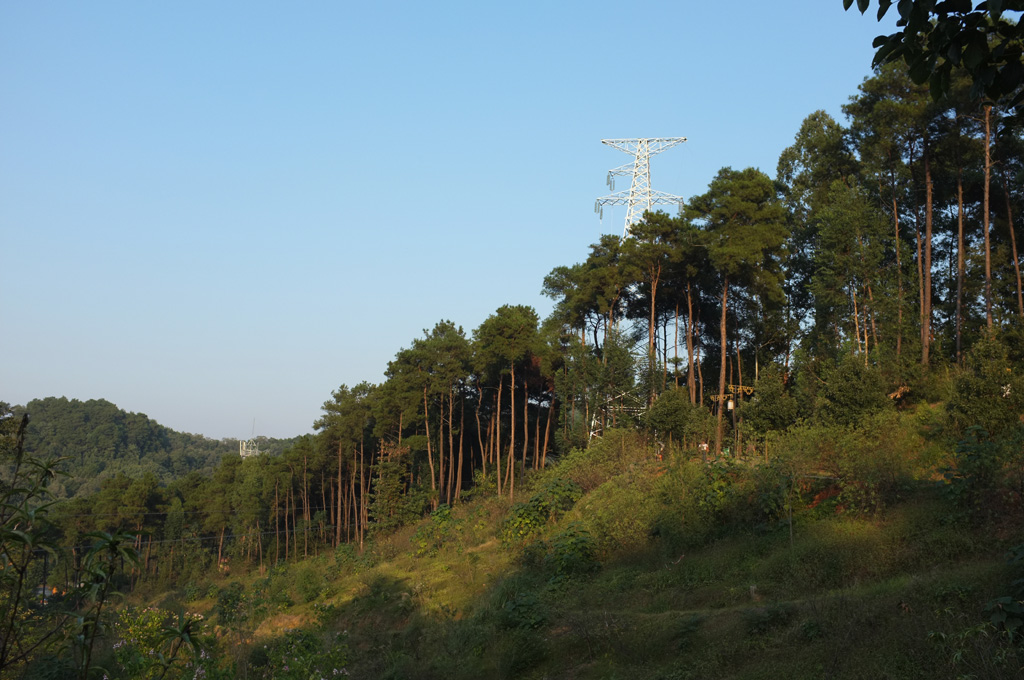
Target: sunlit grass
x=845 y=593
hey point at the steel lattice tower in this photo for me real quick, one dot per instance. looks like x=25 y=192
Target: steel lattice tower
x=640 y=198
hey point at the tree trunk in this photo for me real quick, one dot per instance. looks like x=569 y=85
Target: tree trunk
x=691 y=382
x=1013 y=246
x=547 y=434
x=651 y=351
x=338 y=505
x=451 y=442
x=871 y=307
x=462 y=430
x=526 y=426
x=536 y=439
x=926 y=326
x=675 y=349
x=899 y=266
x=856 y=316
x=721 y=371
x=985 y=218
x=323 y=505
x=430 y=452
x=510 y=472
x=479 y=430
x=440 y=451
x=497 y=436
x=305 y=509
x=364 y=484
x=220 y=546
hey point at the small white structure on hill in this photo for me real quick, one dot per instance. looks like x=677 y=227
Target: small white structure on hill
x=249 y=447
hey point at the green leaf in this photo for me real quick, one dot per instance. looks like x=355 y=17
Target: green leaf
x=905 y=8
x=961 y=6
x=846 y=4
x=1009 y=78
x=1017 y=99
x=883 y=7
x=920 y=70
x=863 y=5
x=889 y=50
x=976 y=52
x=953 y=51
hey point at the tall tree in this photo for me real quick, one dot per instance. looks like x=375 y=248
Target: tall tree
x=649 y=250
x=746 y=225
x=889 y=121
x=507 y=338
x=808 y=169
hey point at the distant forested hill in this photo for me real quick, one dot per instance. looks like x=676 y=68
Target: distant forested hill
x=100 y=441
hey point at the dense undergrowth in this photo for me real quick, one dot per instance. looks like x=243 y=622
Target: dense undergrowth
x=866 y=551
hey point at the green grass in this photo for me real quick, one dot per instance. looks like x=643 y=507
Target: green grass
x=682 y=591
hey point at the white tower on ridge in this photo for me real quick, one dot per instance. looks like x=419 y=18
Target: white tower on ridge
x=641 y=197
x=249 y=447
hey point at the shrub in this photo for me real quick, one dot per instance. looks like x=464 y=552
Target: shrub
x=674 y=415
x=850 y=392
x=430 y=536
x=573 y=553
x=347 y=555
x=1007 y=612
x=764 y=619
x=986 y=472
x=309 y=582
x=556 y=496
x=620 y=513
x=604 y=458
x=987 y=392
x=302 y=654
x=391 y=505
x=871 y=463
x=772 y=408
x=523 y=610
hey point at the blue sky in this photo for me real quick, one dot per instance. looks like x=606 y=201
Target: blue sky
x=215 y=213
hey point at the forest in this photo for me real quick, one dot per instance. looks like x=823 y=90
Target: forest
x=823 y=369
x=96 y=442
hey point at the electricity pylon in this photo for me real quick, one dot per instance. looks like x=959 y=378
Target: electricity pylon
x=640 y=198
x=249 y=447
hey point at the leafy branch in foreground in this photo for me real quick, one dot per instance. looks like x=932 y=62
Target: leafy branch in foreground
x=936 y=37
x=25 y=628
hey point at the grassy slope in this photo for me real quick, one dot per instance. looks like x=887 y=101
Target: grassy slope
x=849 y=596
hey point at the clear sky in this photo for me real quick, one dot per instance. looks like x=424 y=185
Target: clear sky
x=218 y=212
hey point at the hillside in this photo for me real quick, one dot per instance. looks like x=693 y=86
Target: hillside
x=619 y=562
x=98 y=441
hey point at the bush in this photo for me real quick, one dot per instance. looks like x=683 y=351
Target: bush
x=772 y=409
x=987 y=392
x=347 y=555
x=982 y=469
x=765 y=619
x=524 y=610
x=309 y=582
x=673 y=414
x=620 y=513
x=871 y=463
x=573 y=553
x=302 y=654
x=604 y=458
x=850 y=392
x=430 y=536
x=391 y=506
x=555 y=497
